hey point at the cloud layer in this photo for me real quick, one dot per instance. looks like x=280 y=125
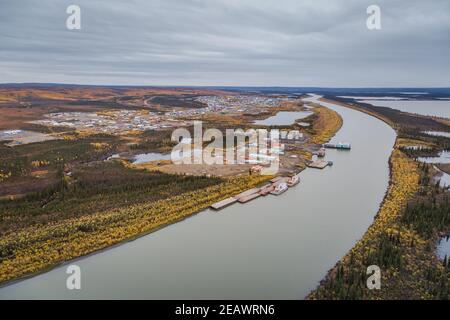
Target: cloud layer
x=226 y=42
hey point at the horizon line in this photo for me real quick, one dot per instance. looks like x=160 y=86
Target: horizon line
x=209 y=86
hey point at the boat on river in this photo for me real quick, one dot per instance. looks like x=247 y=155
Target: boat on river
x=279 y=188
x=293 y=181
x=339 y=145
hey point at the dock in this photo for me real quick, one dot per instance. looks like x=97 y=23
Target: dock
x=224 y=203
x=279 y=179
x=276 y=179
x=249 y=197
x=276 y=186
x=321 y=153
x=266 y=189
x=247 y=193
x=320 y=164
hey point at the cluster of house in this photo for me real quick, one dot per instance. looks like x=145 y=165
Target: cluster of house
x=120 y=121
x=114 y=122
x=240 y=103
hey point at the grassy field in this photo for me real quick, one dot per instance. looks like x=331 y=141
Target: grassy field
x=326 y=123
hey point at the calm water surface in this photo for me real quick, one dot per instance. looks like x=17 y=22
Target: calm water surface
x=443 y=249
x=443 y=178
x=152 y=156
x=284 y=118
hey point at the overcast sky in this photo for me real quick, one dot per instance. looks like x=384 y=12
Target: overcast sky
x=227 y=42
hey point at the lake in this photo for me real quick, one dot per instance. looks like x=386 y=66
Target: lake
x=443 y=248
x=152 y=156
x=284 y=118
x=438 y=108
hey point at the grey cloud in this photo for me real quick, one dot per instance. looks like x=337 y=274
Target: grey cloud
x=226 y=42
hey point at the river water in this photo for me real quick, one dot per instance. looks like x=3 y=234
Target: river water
x=271 y=248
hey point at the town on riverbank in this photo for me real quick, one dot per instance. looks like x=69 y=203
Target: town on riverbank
x=92 y=170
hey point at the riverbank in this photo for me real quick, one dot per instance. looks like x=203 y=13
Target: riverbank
x=326 y=123
x=395 y=241
x=38 y=249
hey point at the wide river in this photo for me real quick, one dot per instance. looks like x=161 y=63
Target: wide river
x=271 y=248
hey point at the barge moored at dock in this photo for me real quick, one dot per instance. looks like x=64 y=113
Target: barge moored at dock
x=339 y=145
x=247 y=193
x=266 y=189
x=277 y=186
x=319 y=164
x=320 y=153
x=249 y=197
x=293 y=181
